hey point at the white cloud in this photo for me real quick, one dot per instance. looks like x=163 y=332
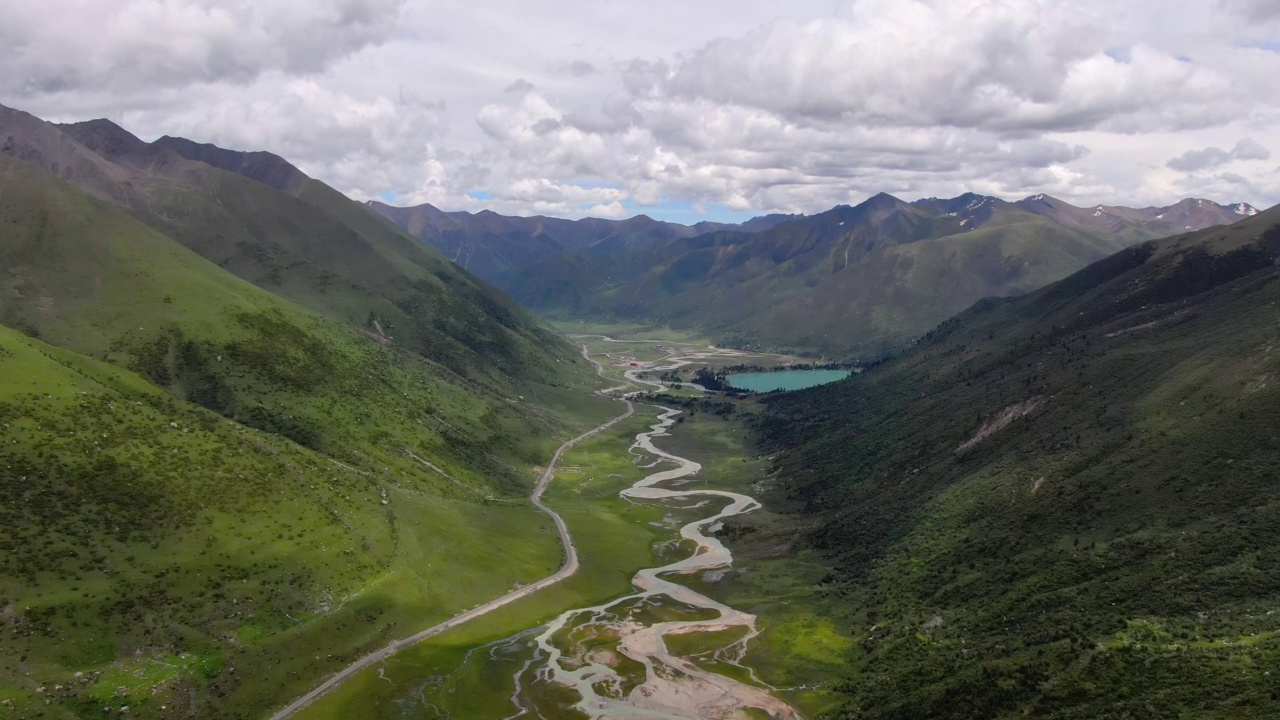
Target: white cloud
x=56 y=46
x=1255 y=9
x=519 y=86
x=741 y=104
x=1212 y=157
x=611 y=210
x=1250 y=149
x=360 y=144
x=1200 y=159
x=964 y=63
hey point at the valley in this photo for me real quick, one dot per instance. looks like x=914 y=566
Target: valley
x=267 y=451
x=569 y=567
x=614 y=651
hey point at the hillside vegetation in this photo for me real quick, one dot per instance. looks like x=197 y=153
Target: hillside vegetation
x=219 y=487
x=158 y=556
x=1061 y=505
x=88 y=277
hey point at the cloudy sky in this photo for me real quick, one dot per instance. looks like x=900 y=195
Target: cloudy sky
x=684 y=110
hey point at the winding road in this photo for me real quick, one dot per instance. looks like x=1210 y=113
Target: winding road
x=569 y=567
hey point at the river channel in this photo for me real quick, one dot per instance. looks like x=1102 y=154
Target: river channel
x=614 y=656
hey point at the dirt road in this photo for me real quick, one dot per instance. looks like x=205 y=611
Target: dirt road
x=569 y=567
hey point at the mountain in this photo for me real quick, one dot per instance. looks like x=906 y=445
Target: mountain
x=861 y=281
x=248 y=433
x=495 y=246
x=267 y=168
x=1188 y=214
x=321 y=250
x=857 y=281
x=1060 y=505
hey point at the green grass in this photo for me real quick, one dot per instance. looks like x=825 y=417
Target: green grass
x=700 y=645
x=800 y=650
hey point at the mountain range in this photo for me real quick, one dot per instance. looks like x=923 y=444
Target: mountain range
x=857 y=281
x=495 y=247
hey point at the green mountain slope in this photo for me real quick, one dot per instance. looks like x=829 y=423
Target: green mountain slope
x=213 y=495
x=586 y=283
x=160 y=557
x=86 y=276
x=876 y=305
x=318 y=247
x=1062 y=505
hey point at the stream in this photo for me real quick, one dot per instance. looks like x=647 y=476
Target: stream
x=614 y=655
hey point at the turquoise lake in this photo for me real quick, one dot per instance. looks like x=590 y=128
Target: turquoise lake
x=785 y=380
